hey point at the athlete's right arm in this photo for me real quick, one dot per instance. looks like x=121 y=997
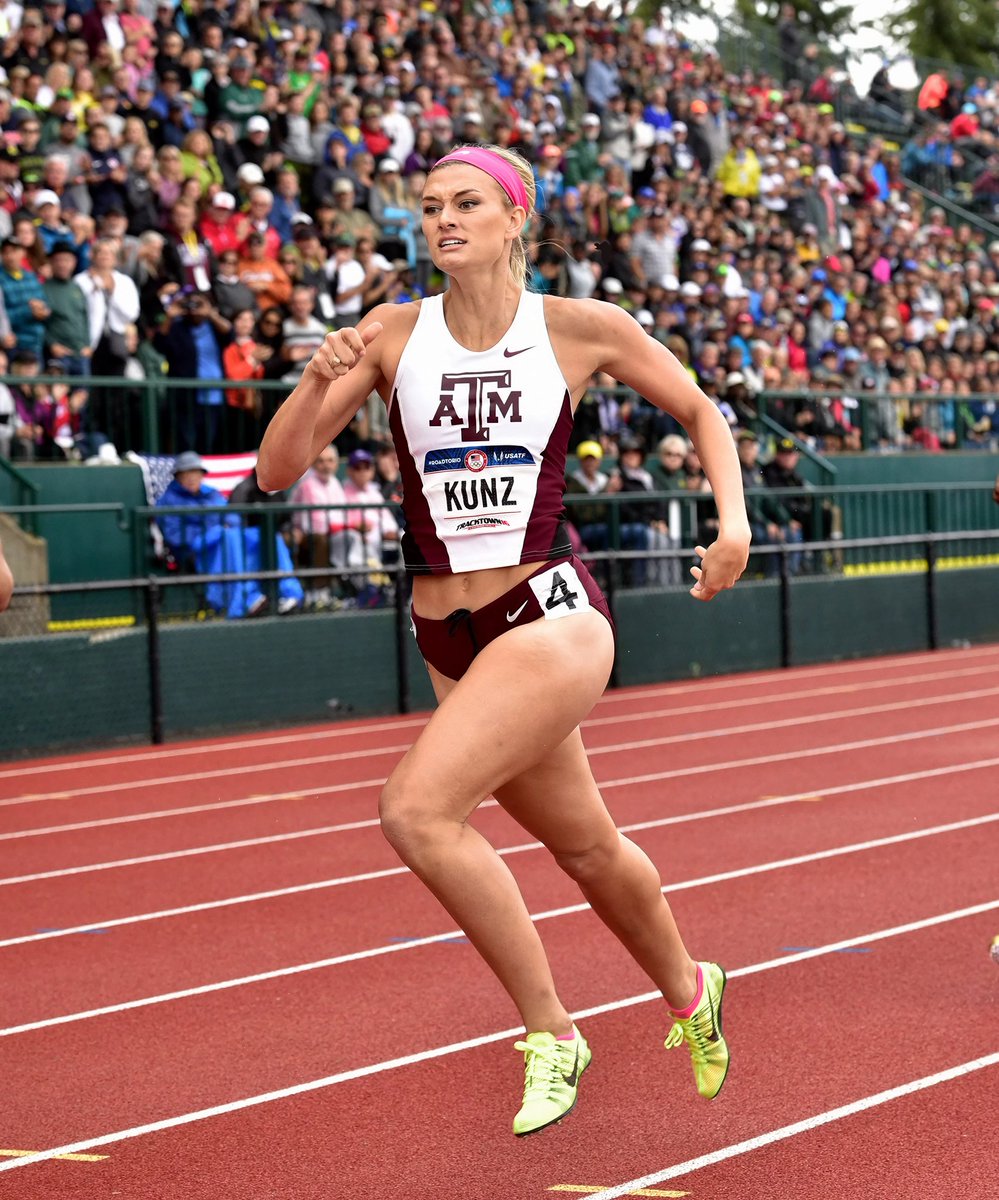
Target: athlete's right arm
x=335 y=383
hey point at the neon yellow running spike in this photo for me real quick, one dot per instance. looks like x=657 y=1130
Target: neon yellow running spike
x=551 y=1079
x=702 y=1031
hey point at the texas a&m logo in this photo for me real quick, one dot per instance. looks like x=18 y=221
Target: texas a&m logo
x=484 y=399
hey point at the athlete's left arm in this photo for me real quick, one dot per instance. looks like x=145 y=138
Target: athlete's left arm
x=616 y=344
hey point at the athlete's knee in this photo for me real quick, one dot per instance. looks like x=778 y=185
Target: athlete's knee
x=591 y=863
x=406 y=821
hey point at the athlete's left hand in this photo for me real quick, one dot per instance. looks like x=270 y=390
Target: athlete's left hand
x=722 y=563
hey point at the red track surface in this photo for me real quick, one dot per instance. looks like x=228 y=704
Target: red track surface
x=829 y=834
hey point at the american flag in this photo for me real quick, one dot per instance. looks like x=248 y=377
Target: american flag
x=224 y=471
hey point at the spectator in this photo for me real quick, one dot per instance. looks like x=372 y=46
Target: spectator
x=302 y=333
x=244 y=359
x=264 y=276
x=67 y=332
x=254 y=528
x=191 y=340
x=232 y=295
x=379 y=274
x=206 y=541
x=668 y=475
x=23 y=299
x=769 y=519
x=378 y=528
x=330 y=535
x=112 y=305
x=635 y=517
x=591 y=518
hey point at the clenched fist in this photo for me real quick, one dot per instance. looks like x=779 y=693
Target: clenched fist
x=342 y=350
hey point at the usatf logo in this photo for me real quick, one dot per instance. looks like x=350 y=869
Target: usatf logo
x=482 y=522
x=483 y=400
x=476 y=460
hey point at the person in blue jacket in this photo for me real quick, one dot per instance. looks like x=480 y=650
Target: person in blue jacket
x=213 y=542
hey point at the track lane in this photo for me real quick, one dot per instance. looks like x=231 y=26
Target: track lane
x=30 y=847
x=752 y=714
x=111 y=895
x=192 y=1053
x=346 y=1140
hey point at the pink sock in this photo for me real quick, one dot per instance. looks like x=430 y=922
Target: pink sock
x=684 y=1013
x=567 y=1037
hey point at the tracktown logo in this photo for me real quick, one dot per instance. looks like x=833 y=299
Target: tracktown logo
x=482 y=523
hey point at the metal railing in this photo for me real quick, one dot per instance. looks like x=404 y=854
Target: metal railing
x=163 y=416
x=926 y=554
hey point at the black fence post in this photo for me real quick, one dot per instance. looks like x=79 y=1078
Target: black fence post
x=786 y=648
x=932 y=632
x=153 y=654
x=400 y=625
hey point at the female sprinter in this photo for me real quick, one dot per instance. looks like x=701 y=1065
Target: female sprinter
x=480 y=386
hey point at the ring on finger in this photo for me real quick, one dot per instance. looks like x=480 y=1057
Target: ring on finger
x=337 y=362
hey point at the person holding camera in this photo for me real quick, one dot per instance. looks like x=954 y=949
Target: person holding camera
x=192 y=339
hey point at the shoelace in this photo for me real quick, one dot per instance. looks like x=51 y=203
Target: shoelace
x=542 y=1066
x=698 y=1031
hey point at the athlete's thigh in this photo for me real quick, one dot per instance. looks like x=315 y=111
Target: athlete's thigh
x=519 y=701
x=557 y=800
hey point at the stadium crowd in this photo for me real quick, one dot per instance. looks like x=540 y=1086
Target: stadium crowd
x=203 y=190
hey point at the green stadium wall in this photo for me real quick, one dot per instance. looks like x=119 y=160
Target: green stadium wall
x=71 y=690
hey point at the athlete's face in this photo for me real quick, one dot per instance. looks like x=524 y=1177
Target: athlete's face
x=467 y=218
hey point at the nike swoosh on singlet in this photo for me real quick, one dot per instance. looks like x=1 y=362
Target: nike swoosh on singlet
x=516 y=613
x=514 y=353
x=571 y=1079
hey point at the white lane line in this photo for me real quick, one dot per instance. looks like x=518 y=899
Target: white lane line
x=191 y=809
x=372 y=823
x=484 y=1040
x=680 y=772
x=654 y=714
x=448 y=935
x=843 y=714
x=798 y=1127
x=679 y=738
x=750 y=681
x=869 y=685
x=283 y=764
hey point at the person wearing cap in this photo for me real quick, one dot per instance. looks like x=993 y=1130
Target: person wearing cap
x=805 y=515
x=208 y=542
x=23 y=300
x=769 y=518
x=67 y=331
x=263 y=274
x=349 y=218
x=581 y=162
x=30 y=152
x=377 y=527
x=390 y=208
x=221 y=227
x=240 y=100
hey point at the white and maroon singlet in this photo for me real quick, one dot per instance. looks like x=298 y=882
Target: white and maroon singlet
x=481 y=437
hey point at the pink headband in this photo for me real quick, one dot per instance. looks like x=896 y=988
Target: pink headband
x=494 y=165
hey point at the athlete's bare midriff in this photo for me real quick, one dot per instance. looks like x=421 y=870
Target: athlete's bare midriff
x=437 y=596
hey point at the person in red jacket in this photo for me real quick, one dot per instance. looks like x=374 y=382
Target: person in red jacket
x=220 y=227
